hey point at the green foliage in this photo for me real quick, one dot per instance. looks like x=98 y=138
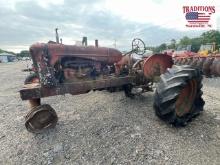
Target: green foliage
x=212 y=36
x=173 y=44
x=23 y=53
x=195 y=43
x=2 y=51
x=160 y=48
x=185 y=41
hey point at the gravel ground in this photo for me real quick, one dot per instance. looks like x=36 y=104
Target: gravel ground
x=105 y=128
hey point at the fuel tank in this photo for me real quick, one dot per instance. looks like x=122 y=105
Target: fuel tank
x=54 y=52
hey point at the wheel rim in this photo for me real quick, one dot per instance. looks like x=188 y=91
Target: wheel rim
x=40 y=118
x=186 y=98
x=35 y=80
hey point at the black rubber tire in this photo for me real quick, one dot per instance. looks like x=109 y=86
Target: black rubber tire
x=29 y=78
x=127 y=90
x=171 y=84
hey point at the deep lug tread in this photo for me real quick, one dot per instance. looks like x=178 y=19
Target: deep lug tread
x=170 y=86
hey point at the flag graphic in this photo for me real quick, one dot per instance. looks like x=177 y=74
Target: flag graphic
x=197 y=17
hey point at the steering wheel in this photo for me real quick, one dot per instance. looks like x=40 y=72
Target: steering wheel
x=138 y=46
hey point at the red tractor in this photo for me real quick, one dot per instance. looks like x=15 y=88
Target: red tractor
x=61 y=69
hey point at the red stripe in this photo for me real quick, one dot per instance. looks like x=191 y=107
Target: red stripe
x=204 y=16
x=198 y=21
x=203 y=19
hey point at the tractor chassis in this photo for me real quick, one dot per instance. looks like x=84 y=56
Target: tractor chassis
x=36 y=91
x=41 y=117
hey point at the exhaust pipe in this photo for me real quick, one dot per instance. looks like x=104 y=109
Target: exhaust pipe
x=57 y=35
x=96 y=43
x=84 y=41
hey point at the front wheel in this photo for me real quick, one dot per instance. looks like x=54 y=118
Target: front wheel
x=32 y=78
x=178 y=97
x=40 y=118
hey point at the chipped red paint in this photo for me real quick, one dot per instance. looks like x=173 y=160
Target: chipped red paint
x=46 y=56
x=156 y=65
x=57 y=51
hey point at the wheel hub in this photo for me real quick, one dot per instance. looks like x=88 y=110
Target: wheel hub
x=186 y=98
x=40 y=118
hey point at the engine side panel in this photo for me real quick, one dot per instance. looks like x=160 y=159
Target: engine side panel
x=81 y=61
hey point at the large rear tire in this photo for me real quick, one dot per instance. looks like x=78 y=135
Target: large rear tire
x=178 y=97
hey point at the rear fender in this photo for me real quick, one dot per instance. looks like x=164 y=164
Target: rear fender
x=156 y=65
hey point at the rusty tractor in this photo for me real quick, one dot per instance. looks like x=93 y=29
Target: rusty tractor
x=69 y=69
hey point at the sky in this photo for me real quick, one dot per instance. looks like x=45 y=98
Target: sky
x=24 y=22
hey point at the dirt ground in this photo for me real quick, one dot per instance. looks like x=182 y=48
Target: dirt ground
x=105 y=128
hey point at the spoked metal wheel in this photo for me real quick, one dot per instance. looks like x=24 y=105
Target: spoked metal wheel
x=138 y=46
x=40 y=118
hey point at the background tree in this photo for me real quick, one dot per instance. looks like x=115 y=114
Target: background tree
x=23 y=53
x=211 y=36
x=2 y=51
x=172 y=44
x=185 y=41
x=195 y=44
x=160 y=48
